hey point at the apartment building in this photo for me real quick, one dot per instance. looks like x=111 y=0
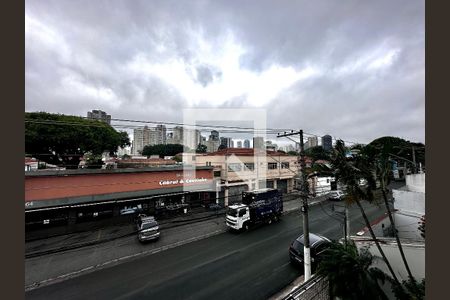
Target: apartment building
x=242 y=169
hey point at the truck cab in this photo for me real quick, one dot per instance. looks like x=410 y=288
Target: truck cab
x=237 y=215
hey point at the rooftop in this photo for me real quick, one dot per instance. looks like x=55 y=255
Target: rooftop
x=244 y=152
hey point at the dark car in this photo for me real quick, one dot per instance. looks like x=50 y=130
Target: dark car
x=317 y=243
x=148 y=228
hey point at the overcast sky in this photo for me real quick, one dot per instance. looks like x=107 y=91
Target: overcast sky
x=351 y=69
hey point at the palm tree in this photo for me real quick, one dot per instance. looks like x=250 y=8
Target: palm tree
x=350 y=274
x=380 y=157
x=349 y=173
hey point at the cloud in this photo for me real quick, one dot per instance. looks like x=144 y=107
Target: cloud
x=351 y=69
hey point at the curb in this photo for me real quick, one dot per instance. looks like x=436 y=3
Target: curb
x=112 y=262
x=375 y=222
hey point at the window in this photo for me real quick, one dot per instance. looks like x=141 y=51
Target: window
x=272 y=166
x=285 y=165
x=208 y=164
x=241 y=212
x=217 y=174
x=234 y=167
x=249 y=166
x=193 y=158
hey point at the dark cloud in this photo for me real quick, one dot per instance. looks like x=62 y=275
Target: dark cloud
x=149 y=59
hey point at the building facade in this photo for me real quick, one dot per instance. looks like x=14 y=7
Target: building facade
x=99 y=115
x=246 y=143
x=327 y=142
x=76 y=196
x=241 y=169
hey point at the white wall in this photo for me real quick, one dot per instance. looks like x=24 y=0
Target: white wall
x=409 y=202
x=416 y=182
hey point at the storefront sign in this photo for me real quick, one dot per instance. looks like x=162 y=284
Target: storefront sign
x=182 y=181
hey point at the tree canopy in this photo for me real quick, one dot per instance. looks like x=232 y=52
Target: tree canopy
x=351 y=274
x=201 y=148
x=163 y=150
x=397 y=149
x=62 y=140
x=317 y=153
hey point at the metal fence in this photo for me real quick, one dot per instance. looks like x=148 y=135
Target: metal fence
x=317 y=288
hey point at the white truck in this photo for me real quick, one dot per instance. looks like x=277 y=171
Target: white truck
x=258 y=206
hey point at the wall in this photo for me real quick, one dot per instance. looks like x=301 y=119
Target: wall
x=416 y=182
x=409 y=202
x=54 y=187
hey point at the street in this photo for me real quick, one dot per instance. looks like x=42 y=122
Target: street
x=250 y=265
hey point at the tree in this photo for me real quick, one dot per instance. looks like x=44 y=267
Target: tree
x=126 y=156
x=163 y=150
x=401 y=148
x=317 y=153
x=350 y=273
x=410 y=289
x=380 y=159
x=349 y=172
x=293 y=153
x=63 y=140
x=201 y=148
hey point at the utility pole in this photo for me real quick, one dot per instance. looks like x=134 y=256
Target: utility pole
x=304 y=192
x=414 y=160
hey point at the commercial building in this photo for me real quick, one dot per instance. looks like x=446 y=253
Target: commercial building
x=70 y=197
x=327 y=142
x=241 y=169
x=99 y=115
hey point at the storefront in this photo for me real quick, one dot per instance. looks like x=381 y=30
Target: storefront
x=73 y=197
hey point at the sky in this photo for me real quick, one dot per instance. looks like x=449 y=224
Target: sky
x=351 y=69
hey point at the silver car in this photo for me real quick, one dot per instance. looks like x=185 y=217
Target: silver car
x=148 y=228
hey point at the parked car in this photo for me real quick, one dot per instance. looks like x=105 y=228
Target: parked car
x=317 y=243
x=148 y=228
x=336 y=195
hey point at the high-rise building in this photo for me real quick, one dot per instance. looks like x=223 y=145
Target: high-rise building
x=141 y=138
x=312 y=141
x=239 y=144
x=258 y=142
x=214 y=135
x=327 y=142
x=160 y=134
x=246 y=143
x=100 y=115
x=227 y=142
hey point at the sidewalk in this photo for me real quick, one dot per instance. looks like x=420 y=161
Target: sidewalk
x=52 y=260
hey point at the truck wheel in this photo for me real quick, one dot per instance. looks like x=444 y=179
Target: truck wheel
x=246 y=226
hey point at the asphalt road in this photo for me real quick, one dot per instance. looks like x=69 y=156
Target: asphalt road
x=250 y=265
